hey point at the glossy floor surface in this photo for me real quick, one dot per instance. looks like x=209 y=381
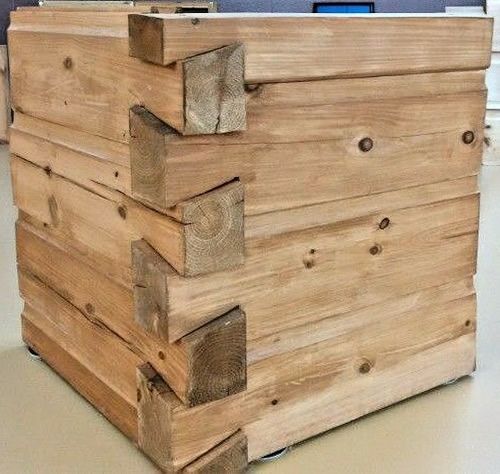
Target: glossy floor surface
x=47 y=428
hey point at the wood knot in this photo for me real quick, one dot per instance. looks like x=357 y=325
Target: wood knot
x=139 y=395
x=48 y=171
x=252 y=87
x=309 y=260
x=161 y=355
x=274 y=402
x=384 y=223
x=122 y=210
x=365 y=367
x=89 y=308
x=68 y=62
x=468 y=137
x=375 y=249
x=195 y=21
x=365 y=144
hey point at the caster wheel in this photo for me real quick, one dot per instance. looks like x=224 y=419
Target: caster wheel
x=276 y=455
x=450 y=382
x=33 y=354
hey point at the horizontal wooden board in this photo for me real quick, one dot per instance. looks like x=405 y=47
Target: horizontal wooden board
x=88 y=160
x=132 y=6
x=201 y=235
x=114 y=407
x=416 y=140
x=285 y=47
x=412 y=351
x=286 y=261
x=85 y=79
x=104 y=223
x=92 y=344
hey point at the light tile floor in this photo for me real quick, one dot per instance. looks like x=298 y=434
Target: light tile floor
x=47 y=428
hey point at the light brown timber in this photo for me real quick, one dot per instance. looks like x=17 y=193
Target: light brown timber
x=295 y=156
x=114 y=407
x=5 y=111
x=206 y=365
x=282 y=272
x=205 y=234
x=426 y=347
x=84 y=63
x=286 y=47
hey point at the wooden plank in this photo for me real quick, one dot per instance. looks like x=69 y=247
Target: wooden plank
x=92 y=166
x=92 y=344
x=115 y=408
x=156 y=405
x=89 y=160
x=229 y=456
x=196 y=6
x=205 y=234
x=348 y=401
x=206 y=365
x=414 y=350
x=295 y=156
x=289 y=47
x=281 y=272
x=5 y=112
x=83 y=64
x=75 y=62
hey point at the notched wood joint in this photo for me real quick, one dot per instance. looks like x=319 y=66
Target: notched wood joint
x=217 y=358
x=214 y=91
x=156 y=407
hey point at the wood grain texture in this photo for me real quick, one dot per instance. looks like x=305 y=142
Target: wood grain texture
x=214 y=93
x=204 y=235
x=313 y=153
x=414 y=350
x=91 y=343
x=231 y=456
x=179 y=6
x=81 y=76
x=283 y=48
x=155 y=403
x=281 y=272
x=115 y=408
x=5 y=111
x=206 y=365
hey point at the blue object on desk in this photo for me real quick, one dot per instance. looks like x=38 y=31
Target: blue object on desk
x=344 y=7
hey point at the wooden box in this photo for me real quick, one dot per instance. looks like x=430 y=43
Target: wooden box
x=239 y=231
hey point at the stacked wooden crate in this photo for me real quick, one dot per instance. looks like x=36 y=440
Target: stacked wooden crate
x=239 y=231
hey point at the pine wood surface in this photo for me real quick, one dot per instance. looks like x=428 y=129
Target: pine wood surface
x=230 y=242
x=282 y=48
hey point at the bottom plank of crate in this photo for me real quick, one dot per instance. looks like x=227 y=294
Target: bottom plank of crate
x=315 y=413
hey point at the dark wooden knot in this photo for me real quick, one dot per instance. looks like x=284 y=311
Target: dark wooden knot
x=365 y=144
x=195 y=21
x=468 y=137
x=384 y=223
x=122 y=210
x=252 y=87
x=68 y=62
x=375 y=249
x=365 y=367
